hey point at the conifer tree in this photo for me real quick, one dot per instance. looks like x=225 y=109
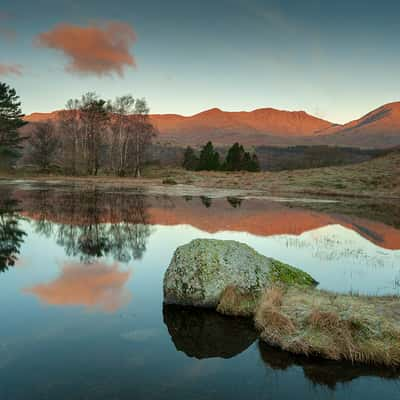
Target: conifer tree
x=10 y=122
x=190 y=160
x=209 y=158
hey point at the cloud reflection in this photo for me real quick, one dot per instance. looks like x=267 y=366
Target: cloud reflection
x=95 y=286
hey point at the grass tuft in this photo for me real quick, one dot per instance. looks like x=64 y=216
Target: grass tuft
x=337 y=327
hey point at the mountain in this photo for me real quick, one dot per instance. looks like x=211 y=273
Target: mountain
x=261 y=121
x=267 y=126
x=378 y=129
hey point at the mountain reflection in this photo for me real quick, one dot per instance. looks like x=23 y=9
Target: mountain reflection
x=321 y=372
x=93 y=224
x=202 y=333
x=95 y=286
x=11 y=234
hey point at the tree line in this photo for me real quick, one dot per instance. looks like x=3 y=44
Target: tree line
x=237 y=159
x=90 y=135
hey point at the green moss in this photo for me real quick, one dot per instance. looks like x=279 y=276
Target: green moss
x=282 y=273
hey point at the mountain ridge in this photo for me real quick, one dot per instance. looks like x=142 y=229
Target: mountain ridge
x=380 y=128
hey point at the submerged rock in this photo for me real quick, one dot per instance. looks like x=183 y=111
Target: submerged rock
x=226 y=275
x=203 y=333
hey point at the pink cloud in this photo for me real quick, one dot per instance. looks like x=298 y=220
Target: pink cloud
x=99 y=50
x=10 y=69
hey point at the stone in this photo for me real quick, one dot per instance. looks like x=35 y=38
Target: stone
x=206 y=270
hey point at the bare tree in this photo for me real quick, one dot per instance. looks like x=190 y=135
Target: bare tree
x=98 y=134
x=143 y=133
x=94 y=116
x=70 y=137
x=132 y=132
x=84 y=124
x=121 y=134
x=43 y=145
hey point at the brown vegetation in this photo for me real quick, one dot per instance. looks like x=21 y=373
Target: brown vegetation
x=337 y=327
x=235 y=302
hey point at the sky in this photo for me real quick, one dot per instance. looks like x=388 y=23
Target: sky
x=337 y=59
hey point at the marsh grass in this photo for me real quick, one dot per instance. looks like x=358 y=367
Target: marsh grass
x=337 y=327
x=237 y=303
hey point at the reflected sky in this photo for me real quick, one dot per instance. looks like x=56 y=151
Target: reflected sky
x=82 y=313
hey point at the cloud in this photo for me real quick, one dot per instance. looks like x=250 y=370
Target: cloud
x=99 y=50
x=10 y=69
x=95 y=286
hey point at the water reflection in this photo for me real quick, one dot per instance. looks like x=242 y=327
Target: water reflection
x=321 y=372
x=203 y=333
x=11 y=234
x=95 y=286
x=81 y=247
x=93 y=224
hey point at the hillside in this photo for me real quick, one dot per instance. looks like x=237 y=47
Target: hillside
x=269 y=127
x=379 y=129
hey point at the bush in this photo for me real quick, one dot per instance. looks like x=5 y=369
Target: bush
x=169 y=181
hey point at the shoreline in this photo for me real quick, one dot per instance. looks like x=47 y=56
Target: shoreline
x=213 y=185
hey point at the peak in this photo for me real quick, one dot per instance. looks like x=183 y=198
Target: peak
x=214 y=110
x=394 y=105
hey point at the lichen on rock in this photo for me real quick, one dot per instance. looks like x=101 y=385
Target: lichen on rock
x=226 y=275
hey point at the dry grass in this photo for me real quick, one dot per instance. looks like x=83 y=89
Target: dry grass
x=237 y=303
x=375 y=178
x=336 y=327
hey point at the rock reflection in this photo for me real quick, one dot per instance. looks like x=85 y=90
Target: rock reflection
x=321 y=372
x=95 y=286
x=203 y=333
x=11 y=234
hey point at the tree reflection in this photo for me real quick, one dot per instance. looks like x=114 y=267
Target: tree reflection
x=11 y=234
x=94 y=224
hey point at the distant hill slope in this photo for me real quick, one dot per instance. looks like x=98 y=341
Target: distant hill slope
x=379 y=129
x=262 y=121
x=266 y=126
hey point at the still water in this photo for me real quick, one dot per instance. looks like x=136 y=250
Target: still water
x=82 y=313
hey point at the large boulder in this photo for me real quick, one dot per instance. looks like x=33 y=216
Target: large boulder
x=226 y=275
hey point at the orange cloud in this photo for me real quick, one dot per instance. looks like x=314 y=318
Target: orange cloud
x=95 y=286
x=93 y=49
x=10 y=69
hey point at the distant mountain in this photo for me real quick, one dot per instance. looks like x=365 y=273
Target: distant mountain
x=267 y=126
x=261 y=121
x=378 y=129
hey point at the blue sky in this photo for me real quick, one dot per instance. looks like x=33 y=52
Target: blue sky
x=334 y=59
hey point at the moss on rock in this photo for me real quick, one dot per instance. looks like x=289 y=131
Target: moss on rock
x=281 y=273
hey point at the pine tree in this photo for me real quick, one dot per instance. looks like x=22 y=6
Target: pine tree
x=190 y=160
x=209 y=158
x=10 y=122
x=250 y=163
x=235 y=158
x=239 y=160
